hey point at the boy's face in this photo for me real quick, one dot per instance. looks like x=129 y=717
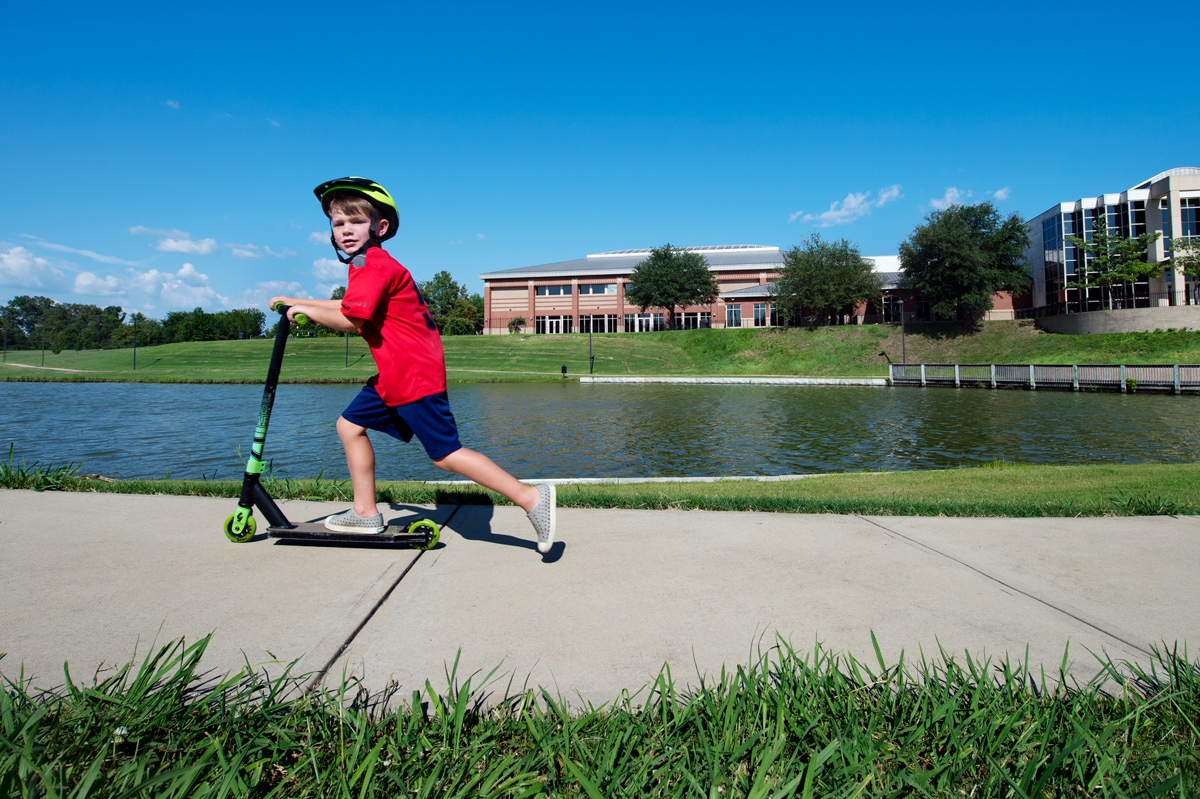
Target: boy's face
x=351 y=232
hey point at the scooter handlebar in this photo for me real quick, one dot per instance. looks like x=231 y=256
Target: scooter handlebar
x=300 y=319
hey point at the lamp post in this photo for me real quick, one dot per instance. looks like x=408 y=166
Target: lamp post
x=135 y=342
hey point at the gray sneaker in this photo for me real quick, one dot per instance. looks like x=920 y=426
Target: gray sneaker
x=543 y=517
x=351 y=522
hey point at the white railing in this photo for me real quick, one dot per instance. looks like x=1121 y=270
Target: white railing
x=1174 y=378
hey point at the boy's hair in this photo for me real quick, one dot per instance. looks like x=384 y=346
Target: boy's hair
x=351 y=205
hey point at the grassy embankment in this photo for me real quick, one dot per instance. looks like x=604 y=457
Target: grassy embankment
x=826 y=352
x=788 y=724
x=995 y=490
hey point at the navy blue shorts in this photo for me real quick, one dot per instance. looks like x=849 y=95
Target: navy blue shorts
x=429 y=419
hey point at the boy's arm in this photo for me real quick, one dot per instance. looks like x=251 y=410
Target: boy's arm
x=301 y=301
x=320 y=312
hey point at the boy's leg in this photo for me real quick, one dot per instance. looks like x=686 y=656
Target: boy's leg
x=360 y=459
x=540 y=503
x=479 y=468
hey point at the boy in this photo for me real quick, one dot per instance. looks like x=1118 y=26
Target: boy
x=408 y=395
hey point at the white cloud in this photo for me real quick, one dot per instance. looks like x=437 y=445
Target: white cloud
x=139 y=230
x=1002 y=194
x=480 y=237
x=251 y=252
x=171 y=104
x=325 y=289
x=854 y=206
x=21 y=268
x=329 y=269
x=188 y=246
x=263 y=292
x=95 y=256
x=189 y=288
x=952 y=197
x=274 y=124
x=89 y=283
x=320 y=237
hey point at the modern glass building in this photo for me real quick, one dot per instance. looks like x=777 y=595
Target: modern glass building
x=1167 y=204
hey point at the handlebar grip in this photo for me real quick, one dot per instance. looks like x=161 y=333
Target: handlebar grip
x=300 y=320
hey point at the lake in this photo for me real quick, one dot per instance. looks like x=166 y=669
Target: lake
x=546 y=430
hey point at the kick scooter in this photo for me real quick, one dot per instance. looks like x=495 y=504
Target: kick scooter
x=239 y=528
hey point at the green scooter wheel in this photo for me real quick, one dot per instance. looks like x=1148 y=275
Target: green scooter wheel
x=247 y=531
x=425 y=527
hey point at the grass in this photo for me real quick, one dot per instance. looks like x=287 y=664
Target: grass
x=845 y=351
x=998 y=489
x=788 y=724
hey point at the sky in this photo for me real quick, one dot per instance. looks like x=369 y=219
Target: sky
x=162 y=157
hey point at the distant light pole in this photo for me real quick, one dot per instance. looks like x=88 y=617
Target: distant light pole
x=135 y=342
x=43 y=346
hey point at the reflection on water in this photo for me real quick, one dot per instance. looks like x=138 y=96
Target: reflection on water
x=573 y=430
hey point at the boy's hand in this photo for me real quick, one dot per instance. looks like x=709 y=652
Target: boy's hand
x=284 y=299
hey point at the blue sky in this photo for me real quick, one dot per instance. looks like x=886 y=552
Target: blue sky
x=162 y=156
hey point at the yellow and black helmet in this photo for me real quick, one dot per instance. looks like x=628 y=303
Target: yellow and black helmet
x=368 y=189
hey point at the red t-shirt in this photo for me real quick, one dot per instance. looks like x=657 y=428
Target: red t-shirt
x=403 y=338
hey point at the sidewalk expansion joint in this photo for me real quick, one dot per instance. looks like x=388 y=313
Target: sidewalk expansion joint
x=319 y=677
x=1070 y=612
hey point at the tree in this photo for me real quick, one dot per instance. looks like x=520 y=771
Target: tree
x=671 y=278
x=1185 y=255
x=961 y=256
x=516 y=324
x=338 y=293
x=441 y=293
x=1112 y=258
x=23 y=319
x=820 y=279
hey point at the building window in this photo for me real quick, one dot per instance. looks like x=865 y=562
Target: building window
x=1165 y=210
x=552 y=325
x=1189 y=212
x=597 y=288
x=892 y=306
x=701 y=320
x=733 y=316
x=1112 y=218
x=598 y=323
x=764 y=315
x=554 y=291
x=1137 y=218
x=643 y=322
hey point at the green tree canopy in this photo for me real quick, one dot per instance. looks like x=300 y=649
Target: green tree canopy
x=820 y=280
x=442 y=293
x=1111 y=258
x=964 y=254
x=672 y=278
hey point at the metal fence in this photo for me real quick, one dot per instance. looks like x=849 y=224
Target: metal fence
x=1172 y=378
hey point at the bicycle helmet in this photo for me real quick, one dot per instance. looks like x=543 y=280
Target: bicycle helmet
x=381 y=203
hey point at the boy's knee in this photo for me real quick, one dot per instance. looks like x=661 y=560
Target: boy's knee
x=346 y=428
x=446 y=462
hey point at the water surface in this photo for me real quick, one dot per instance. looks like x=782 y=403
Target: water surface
x=575 y=430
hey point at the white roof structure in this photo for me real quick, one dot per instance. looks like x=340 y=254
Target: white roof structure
x=721 y=258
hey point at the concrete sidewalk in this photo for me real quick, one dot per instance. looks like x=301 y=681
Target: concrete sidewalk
x=91 y=578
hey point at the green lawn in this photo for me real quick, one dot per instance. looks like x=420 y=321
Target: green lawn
x=848 y=351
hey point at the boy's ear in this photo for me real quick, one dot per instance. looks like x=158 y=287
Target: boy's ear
x=381 y=227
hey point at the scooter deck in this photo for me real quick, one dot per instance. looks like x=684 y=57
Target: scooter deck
x=317 y=531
